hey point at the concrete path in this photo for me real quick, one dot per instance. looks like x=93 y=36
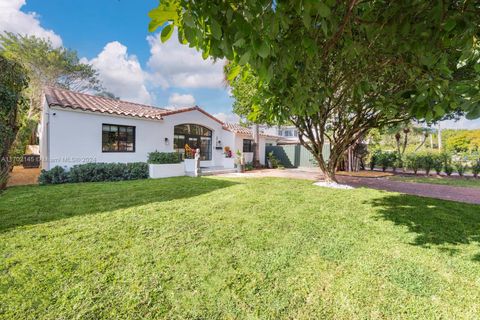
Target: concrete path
x=460 y=194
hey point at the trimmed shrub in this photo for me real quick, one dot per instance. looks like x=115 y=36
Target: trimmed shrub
x=476 y=168
x=386 y=160
x=374 y=159
x=56 y=175
x=438 y=161
x=95 y=172
x=448 y=169
x=397 y=164
x=164 y=157
x=461 y=168
x=427 y=162
x=414 y=162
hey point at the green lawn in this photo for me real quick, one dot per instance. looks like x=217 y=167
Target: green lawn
x=448 y=181
x=208 y=248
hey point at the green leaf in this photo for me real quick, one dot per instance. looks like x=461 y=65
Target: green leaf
x=206 y=53
x=324 y=28
x=189 y=34
x=188 y=20
x=323 y=9
x=245 y=58
x=474 y=113
x=263 y=50
x=181 y=36
x=233 y=73
x=439 y=110
x=166 y=32
x=307 y=19
x=160 y=15
x=216 y=29
x=239 y=43
x=449 y=25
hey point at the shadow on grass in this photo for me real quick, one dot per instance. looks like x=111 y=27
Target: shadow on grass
x=435 y=222
x=29 y=205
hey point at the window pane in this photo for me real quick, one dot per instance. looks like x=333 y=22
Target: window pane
x=118 y=138
x=247 y=145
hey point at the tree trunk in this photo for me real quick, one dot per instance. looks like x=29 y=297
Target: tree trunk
x=328 y=173
x=4 y=171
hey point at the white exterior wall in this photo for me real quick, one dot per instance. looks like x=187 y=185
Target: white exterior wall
x=75 y=137
x=43 y=135
x=249 y=155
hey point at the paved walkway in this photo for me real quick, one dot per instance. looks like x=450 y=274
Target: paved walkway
x=461 y=194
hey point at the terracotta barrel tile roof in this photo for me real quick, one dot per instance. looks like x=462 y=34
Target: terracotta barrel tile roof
x=237 y=128
x=81 y=101
x=86 y=102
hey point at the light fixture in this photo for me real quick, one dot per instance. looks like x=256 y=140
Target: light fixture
x=166 y=141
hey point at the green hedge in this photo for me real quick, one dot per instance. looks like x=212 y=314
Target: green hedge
x=164 y=157
x=95 y=172
x=427 y=161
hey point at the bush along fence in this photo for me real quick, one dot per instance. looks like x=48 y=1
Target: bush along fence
x=438 y=162
x=95 y=172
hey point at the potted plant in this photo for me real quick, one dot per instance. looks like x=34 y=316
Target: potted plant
x=272 y=161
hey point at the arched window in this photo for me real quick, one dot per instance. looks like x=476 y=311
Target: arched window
x=195 y=136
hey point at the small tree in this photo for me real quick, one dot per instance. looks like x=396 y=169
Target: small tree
x=13 y=81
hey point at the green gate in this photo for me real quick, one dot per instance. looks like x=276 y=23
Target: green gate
x=296 y=155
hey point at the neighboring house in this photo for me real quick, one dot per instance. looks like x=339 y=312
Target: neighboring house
x=78 y=128
x=287 y=134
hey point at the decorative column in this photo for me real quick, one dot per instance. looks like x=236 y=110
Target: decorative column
x=197 y=163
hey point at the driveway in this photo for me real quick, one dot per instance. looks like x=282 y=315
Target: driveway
x=460 y=194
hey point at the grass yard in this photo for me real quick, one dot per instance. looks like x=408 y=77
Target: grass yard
x=209 y=248
x=469 y=182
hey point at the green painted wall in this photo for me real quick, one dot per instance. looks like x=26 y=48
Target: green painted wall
x=296 y=155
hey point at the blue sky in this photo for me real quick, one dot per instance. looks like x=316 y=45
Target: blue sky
x=112 y=35
x=133 y=64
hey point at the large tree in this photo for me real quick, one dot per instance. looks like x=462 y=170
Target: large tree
x=46 y=65
x=13 y=82
x=336 y=69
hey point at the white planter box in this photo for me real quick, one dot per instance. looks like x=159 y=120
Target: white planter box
x=228 y=163
x=189 y=165
x=166 y=170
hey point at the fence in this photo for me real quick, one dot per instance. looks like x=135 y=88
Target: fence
x=296 y=155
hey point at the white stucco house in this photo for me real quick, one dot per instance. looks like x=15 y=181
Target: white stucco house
x=77 y=128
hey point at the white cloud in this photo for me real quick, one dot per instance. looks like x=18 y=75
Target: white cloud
x=181 y=100
x=175 y=65
x=462 y=123
x=16 y=21
x=122 y=74
x=227 y=117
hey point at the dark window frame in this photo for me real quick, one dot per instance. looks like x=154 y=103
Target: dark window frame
x=206 y=133
x=134 y=138
x=249 y=145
